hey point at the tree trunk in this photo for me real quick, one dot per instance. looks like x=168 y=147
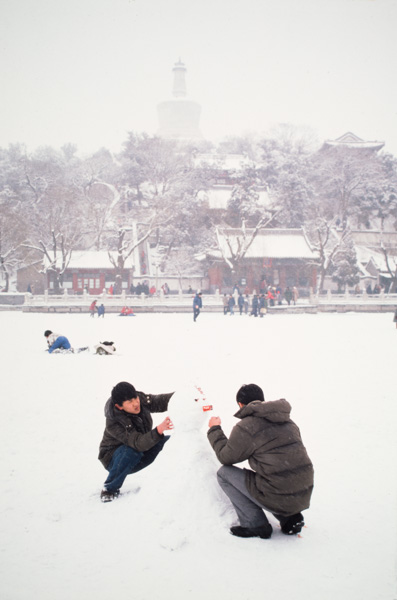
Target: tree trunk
x=117 y=288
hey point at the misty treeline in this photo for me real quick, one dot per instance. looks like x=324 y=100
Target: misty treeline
x=53 y=202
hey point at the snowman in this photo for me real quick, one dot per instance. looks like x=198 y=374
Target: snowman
x=192 y=501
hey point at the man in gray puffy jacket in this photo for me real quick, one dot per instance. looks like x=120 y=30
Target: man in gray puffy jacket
x=281 y=479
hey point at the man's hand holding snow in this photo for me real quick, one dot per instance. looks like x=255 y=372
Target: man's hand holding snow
x=166 y=425
x=214 y=421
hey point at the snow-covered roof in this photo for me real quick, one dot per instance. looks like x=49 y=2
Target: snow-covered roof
x=229 y=162
x=375 y=238
x=366 y=255
x=92 y=259
x=269 y=243
x=350 y=140
x=219 y=195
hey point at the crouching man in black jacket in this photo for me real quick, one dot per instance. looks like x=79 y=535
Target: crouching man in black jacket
x=129 y=442
x=281 y=476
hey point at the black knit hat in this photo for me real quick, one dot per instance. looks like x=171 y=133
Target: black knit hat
x=123 y=391
x=47 y=333
x=250 y=392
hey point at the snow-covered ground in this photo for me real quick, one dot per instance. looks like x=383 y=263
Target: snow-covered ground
x=168 y=535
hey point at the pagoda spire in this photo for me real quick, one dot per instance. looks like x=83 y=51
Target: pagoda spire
x=179 y=117
x=179 y=85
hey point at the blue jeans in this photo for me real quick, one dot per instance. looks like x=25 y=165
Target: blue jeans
x=127 y=460
x=61 y=342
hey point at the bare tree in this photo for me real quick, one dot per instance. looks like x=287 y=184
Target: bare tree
x=235 y=243
x=12 y=232
x=126 y=244
x=56 y=256
x=391 y=266
x=326 y=243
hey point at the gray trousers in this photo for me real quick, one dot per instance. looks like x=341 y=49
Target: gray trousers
x=249 y=511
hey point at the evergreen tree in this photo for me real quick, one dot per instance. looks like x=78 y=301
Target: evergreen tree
x=345 y=269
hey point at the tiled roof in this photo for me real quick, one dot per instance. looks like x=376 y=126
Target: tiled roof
x=269 y=243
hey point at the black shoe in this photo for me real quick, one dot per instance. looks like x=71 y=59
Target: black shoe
x=107 y=496
x=264 y=531
x=293 y=525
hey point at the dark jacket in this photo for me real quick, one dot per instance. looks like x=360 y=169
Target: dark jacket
x=131 y=430
x=262 y=302
x=197 y=302
x=282 y=473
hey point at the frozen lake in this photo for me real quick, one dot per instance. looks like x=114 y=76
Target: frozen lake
x=168 y=536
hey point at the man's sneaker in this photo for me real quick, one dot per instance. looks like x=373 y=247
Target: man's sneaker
x=264 y=531
x=107 y=496
x=293 y=525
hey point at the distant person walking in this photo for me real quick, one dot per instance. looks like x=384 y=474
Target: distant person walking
x=101 y=311
x=93 y=308
x=295 y=294
x=246 y=304
x=231 y=304
x=240 y=302
x=197 y=305
x=225 y=304
x=262 y=306
x=288 y=295
x=255 y=304
x=270 y=296
x=395 y=317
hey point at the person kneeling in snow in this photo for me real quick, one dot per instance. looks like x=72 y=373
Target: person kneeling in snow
x=57 y=342
x=129 y=443
x=281 y=479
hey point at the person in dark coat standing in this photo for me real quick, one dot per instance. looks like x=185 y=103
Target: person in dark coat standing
x=288 y=295
x=262 y=305
x=197 y=305
x=231 y=304
x=395 y=317
x=281 y=476
x=255 y=306
x=240 y=301
x=225 y=301
x=129 y=442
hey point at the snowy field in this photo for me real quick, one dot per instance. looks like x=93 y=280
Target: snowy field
x=167 y=537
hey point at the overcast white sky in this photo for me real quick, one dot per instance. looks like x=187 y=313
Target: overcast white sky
x=89 y=71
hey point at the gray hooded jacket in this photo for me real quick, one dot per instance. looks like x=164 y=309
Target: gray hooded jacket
x=282 y=473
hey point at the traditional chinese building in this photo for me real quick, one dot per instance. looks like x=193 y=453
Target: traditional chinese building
x=273 y=257
x=376 y=252
x=352 y=141
x=90 y=271
x=226 y=172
